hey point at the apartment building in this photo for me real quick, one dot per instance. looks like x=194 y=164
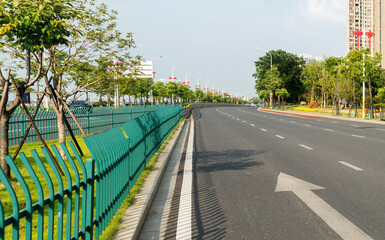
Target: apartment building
x=373 y=15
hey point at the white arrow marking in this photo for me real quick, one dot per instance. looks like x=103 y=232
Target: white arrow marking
x=341 y=225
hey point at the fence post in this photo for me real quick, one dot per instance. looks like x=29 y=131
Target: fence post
x=90 y=168
x=88 y=121
x=112 y=118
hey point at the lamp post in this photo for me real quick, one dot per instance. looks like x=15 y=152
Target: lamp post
x=116 y=94
x=271 y=70
x=363 y=80
x=172 y=73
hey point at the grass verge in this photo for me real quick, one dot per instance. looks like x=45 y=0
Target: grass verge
x=115 y=221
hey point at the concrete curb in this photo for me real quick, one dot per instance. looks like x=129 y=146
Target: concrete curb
x=328 y=115
x=131 y=225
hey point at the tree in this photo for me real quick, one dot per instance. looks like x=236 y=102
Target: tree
x=354 y=63
x=311 y=75
x=159 y=91
x=94 y=38
x=289 y=67
x=28 y=30
x=282 y=94
x=373 y=73
x=332 y=67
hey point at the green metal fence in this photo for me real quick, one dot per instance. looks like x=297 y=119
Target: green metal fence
x=91 y=120
x=90 y=198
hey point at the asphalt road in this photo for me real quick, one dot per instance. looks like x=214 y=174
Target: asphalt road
x=239 y=153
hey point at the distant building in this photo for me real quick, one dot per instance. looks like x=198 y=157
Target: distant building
x=374 y=12
x=310 y=58
x=144 y=70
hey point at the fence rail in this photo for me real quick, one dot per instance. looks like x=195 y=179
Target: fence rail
x=91 y=120
x=89 y=194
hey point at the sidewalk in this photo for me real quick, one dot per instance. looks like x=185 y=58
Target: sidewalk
x=324 y=115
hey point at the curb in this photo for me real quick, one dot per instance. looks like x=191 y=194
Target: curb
x=327 y=115
x=131 y=225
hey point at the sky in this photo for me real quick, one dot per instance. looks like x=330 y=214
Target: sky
x=217 y=40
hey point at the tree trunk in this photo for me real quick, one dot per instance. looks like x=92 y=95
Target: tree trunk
x=354 y=91
x=312 y=94
x=108 y=99
x=100 y=98
x=4 y=121
x=61 y=131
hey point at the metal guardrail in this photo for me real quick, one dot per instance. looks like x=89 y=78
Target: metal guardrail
x=91 y=120
x=120 y=154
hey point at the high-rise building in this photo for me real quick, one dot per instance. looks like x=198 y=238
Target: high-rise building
x=374 y=13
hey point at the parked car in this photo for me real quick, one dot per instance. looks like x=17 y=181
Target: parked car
x=80 y=103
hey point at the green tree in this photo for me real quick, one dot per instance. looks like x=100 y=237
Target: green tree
x=311 y=75
x=289 y=67
x=28 y=30
x=282 y=94
x=159 y=91
x=94 y=38
x=373 y=73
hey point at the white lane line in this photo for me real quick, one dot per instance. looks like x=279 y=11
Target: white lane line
x=244 y=121
x=304 y=146
x=335 y=122
x=264 y=116
x=238 y=119
x=279 y=136
x=293 y=121
x=351 y=166
x=327 y=129
x=252 y=125
x=381 y=129
x=353 y=125
x=282 y=119
x=358 y=136
x=318 y=120
x=233 y=117
x=262 y=129
x=183 y=230
x=307 y=125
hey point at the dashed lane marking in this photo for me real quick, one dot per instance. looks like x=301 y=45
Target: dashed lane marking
x=351 y=166
x=306 y=147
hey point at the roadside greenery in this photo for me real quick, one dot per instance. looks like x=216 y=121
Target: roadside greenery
x=336 y=81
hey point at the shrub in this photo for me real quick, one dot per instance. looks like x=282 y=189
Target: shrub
x=313 y=104
x=379 y=105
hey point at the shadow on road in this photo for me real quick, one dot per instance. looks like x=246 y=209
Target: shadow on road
x=228 y=160
x=209 y=220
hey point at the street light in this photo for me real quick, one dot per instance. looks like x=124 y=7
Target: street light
x=271 y=69
x=185 y=78
x=172 y=72
x=152 y=60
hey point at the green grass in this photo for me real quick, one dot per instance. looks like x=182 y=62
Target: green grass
x=7 y=202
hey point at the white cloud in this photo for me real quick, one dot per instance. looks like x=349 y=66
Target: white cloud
x=324 y=10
